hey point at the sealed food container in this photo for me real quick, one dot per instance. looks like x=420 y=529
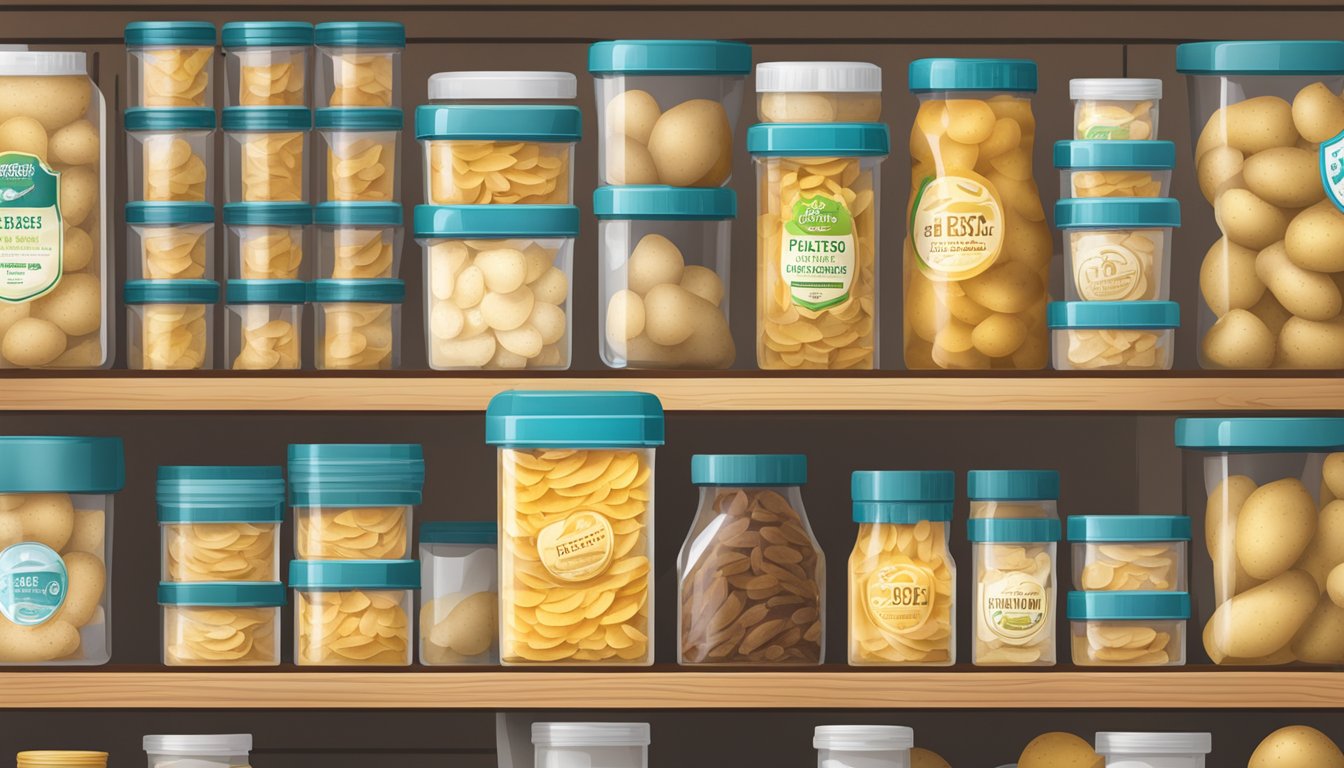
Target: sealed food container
x=507 y=87
x=1267 y=115
x=590 y=745
x=978 y=249
x=816 y=244
x=170 y=241
x=902 y=579
x=266 y=241
x=1114 y=335
x=459 y=609
x=863 y=746
x=359 y=63
x=665 y=256
x=265 y=154
x=170 y=324
x=358 y=240
x=220 y=523
x=216 y=750
x=354 y=501
x=363 y=162
x=668 y=110
x=1115 y=108
x=170 y=154
x=1115 y=168
x=221 y=624
x=1126 y=553
x=47 y=758
x=1154 y=750
x=1273 y=535
x=498 y=154
x=1118 y=250
x=171 y=63
x=818 y=92
x=264 y=324
x=353 y=613
x=497 y=285
x=752 y=576
x=589 y=557
x=56 y=531
x=268 y=63
x=358 y=324
x=1128 y=629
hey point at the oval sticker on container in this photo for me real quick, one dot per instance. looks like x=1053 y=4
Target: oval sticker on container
x=956 y=227
x=33 y=583
x=900 y=597
x=31 y=234
x=578 y=547
x=1332 y=169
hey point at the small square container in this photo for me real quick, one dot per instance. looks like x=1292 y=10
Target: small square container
x=216 y=750
x=265 y=154
x=1110 y=108
x=171 y=63
x=170 y=154
x=353 y=501
x=358 y=324
x=221 y=624
x=363 y=159
x=170 y=241
x=1118 y=250
x=1128 y=629
x=590 y=745
x=358 y=240
x=459 y=610
x=1113 y=335
x=502 y=87
x=359 y=63
x=494 y=154
x=372 y=599
x=170 y=324
x=1125 y=553
x=267 y=241
x=818 y=92
x=220 y=523
x=1115 y=168
x=267 y=63
x=264 y=325
x=863 y=746
x=1154 y=750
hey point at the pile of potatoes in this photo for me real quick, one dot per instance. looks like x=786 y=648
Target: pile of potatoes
x=1274 y=280
x=687 y=145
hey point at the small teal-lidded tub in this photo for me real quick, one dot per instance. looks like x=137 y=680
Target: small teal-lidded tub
x=170 y=241
x=266 y=152
x=354 y=501
x=1118 y=250
x=170 y=154
x=358 y=240
x=267 y=63
x=459 y=609
x=1128 y=629
x=353 y=613
x=1114 y=168
x=1115 y=108
x=359 y=63
x=362 y=151
x=221 y=624
x=1113 y=335
x=220 y=523
x=1125 y=553
x=358 y=324
x=263 y=328
x=170 y=324
x=171 y=63
x=267 y=241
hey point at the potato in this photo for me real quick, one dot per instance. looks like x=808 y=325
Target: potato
x=79 y=194
x=668 y=312
x=87 y=578
x=88 y=534
x=923 y=758
x=1274 y=527
x=629 y=162
x=999 y=335
x=75 y=305
x=1221 y=510
x=1006 y=136
x=1334 y=585
x=931 y=119
x=11 y=314
x=1264 y=619
x=1238 y=340
x=552 y=287
x=11 y=529
x=1260 y=123
x=956 y=157
x=469 y=628
x=1327 y=547
x=1321 y=639
x=923 y=312
x=1213 y=135
x=1249 y=221
x=1009 y=287
x=1271 y=313
x=1296 y=746
x=1219 y=170
x=53 y=640
x=76 y=144
x=711 y=342
x=48 y=518
x=1285 y=176
x=54 y=101
x=1332 y=472
x=1059 y=750
x=688 y=140
x=1306 y=294
x=1318 y=113
x=625 y=319
x=633 y=113
x=1278 y=658
x=1311 y=345
x=969 y=121
x=1027 y=242
x=654 y=261
x=26 y=135
x=971 y=359
x=1227 y=277
x=77 y=251
x=703 y=282
x=1315 y=238
x=797 y=108
x=507 y=311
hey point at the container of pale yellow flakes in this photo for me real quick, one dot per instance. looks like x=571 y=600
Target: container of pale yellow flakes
x=221 y=624
x=267 y=63
x=1128 y=629
x=267 y=241
x=170 y=324
x=358 y=324
x=353 y=613
x=358 y=240
x=1114 y=335
x=47 y=758
x=354 y=501
x=1115 y=168
x=359 y=63
x=1118 y=250
x=263 y=326
x=1123 y=553
x=170 y=154
x=220 y=523
x=171 y=63
x=362 y=154
x=498 y=153
x=575 y=525
x=818 y=92
x=265 y=152
x=215 y=750
x=1115 y=108
x=170 y=241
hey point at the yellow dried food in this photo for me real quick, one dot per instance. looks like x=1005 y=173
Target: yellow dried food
x=363 y=253
x=498 y=172
x=172 y=170
x=220 y=552
x=357 y=337
x=1022 y=635
x=1127 y=120
x=174 y=252
x=266 y=341
x=1126 y=643
x=1117 y=265
x=272 y=167
x=362 y=169
x=359 y=533
x=200 y=636
x=1115 y=184
x=1116 y=349
x=901 y=591
x=271 y=78
x=362 y=80
x=353 y=628
x=1121 y=567
x=176 y=77
x=271 y=253
x=173 y=337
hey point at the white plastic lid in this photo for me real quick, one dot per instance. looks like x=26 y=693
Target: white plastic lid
x=1118 y=88
x=863 y=738
x=818 y=77
x=20 y=62
x=1121 y=743
x=590 y=734
x=204 y=744
x=494 y=86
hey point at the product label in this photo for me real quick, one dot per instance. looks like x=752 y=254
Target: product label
x=900 y=597
x=1332 y=169
x=817 y=256
x=1016 y=606
x=31 y=233
x=578 y=547
x=1109 y=272
x=1107 y=132
x=32 y=583
x=956 y=227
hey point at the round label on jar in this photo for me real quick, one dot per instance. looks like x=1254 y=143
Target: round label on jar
x=31 y=234
x=1110 y=272
x=956 y=227
x=817 y=256
x=33 y=583
x=1332 y=169
x=900 y=597
x=1016 y=606
x=576 y=548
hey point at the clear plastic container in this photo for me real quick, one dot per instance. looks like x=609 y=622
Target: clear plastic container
x=902 y=579
x=1154 y=750
x=1128 y=629
x=590 y=745
x=816 y=276
x=358 y=240
x=498 y=154
x=502 y=87
x=1118 y=250
x=221 y=624
x=1265 y=116
x=354 y=501
x=1115 y=108
x=1115 y=168
x=268 y=63
x=264 y=325
x=267 y=241
x=170 y=154
x=170 y=324
x=50 y=758
x=216 y=750
x=818 y=92
x=459 y=609
x=597 y=548
x=497 y=288
x=359 y=63
x=978 y=249
x=220 y=523
x=358 y=324
x=863 y=746
x=1114 y=335
x=56 y=548
x=1124 y=553
x=353 y=613
x=668 y=110
x=363 y=156
x=664 y=261
x=751 y=575
x=170 y=241
x=171 y=63
x=266 y=154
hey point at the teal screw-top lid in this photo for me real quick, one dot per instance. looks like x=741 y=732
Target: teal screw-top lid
x=902 y=497
x=360 y=34
x=1128 y=528
x=748 y=469
x=1012 y=484
x=669 y=57
x=927 y=75
x=358 y=475
x=223 y=594
x=1115 y=155
x=142 y=212
x=359 y=119
x=1118 y=213
x=488 y=222
x=61 y=464
x=486 y=122
x=266 y=292
x=459 y=533
x=140 y=34
x=1261 y=57
x=1113 y=315
x=171 y=292
x=663 y=203
x=354 y=574
x=357 y=215
x=138 y=119
x=1008 y=530
x=232 y=494
x=1261 y=435
x=819 y=140
x=267 y=34
x=1124 y=606
x=268 y=214
x=367 y=290
x=559 y=419
x=267 y=119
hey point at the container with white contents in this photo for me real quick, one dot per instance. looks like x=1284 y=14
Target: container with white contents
x=353 y=613
x=1115 y=108
x=266 y=154
x=170 y=324
x=354 y=501
x=170 y=241
x=1128 y=629
x=459 y=610
x=266 y=241
x=1118 y=250
x=264 y=325
x=498 y=154
x=268 y=63
x=863 y=746
x=170 y=154
x=818 y=92
x=1124 y=553
x=215 y=750
x=502 y=87
x=358 y=240
x=358 y=324
x=221 y=624
x=1113 y=335
x=359 y=63
x=363 y=155
x=171 y=63
x=1115 y=168
x=590 y=745
x=1154 y=750
x=220 y=523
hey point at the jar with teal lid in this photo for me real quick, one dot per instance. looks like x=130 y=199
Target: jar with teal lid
x=267 y=241
x=459 y=607
x=171 y=63
x=170 y=154
x=751 y=575
x=359 y=63
x=267 y=63
x=358 y=324
x=902 y=579
x=264 y=324
x=1128 y=629
x=220 y=523
x=170 y=241
x=362 y=154
x=576 y=525
x=665 y=257
x=353 y=613
x=354 y=501
x=1114 y=168
x=358 y=240
x=817 y=243
x=170 y=324
x=668 y=110
x=56 y=548
x=1118 y=250
x=1114 y=335
x=1126 y=553
x=266 y=154
x=498 y=154
x=221 y=624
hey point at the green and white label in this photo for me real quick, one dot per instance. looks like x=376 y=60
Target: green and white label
x=817 y=257
x=31 y=234
x=33 y=583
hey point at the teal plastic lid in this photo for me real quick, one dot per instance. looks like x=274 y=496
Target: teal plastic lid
x=359 y=475
x=266 y=34
x=359 y=119
x=1261 y=435
x=1115 y=155
x=1117 y=213
x=1009 y=530
x=61 y=465
x=748 y=469
x=354 y=574
x=268 y=214
x=1113 y=315
x=486 y=122
x=902 y=497
x=669 y=57
x=1123 y=606
x=141 y=212
x=1129 y=528
x=223 y=594
x=357 y=215
x=267 y=119
x=171 y=292
x=368 y=290
x=266 y=292
x=662 y=203
x=145 y=33
x=928 y=75
x=169 y=119
x=189 y=494
x=1261 y=57
x=459 y=533
x=487 y=222
x=559 y=419
x=1012 y=484
x=819 y=140
x=360 y=34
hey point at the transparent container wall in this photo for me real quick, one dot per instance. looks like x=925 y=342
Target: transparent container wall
x=205 y=552
x=266 y=252
x=359 y=77
x=268 y=77
x=346 y=251
x=215 y=636
x=1115 y=119
x=234 y=760
x=170 y=251
x=863 y=758
x=171 y=76
x=1117 y=264
x=1129 y=643
x=591 y=757
x=356 y=336
x=502 y=172
x=170 y=166
x=818 y=107
x=266 y=167
x=264 y=337
x=361 y=166
x=1118 y=349
x=170 y=337
x=1114 y=183
x=459 y=611
x=1127 y=566
x=914 y=625
x=380 y=621
x=343 y=532
x=1025 y=575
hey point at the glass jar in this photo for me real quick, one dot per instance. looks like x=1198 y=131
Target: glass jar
x=50 y=758
x=363 y=156
x=863 y=746
x=1128 y=629
x=372 y=599
x=902 y=579
x=498 y=154
x=1115 y=108
x=359 y=63
x=1154 y=750
x=221 y=624
x=1125 y=553
x=267 y=63
x=266 y=241
x=1114 y=335
x=977 y=258
x=1114 y=168
x=354 y=501
x=358 y=324
x=170 y=241
x=751 y=575
x=171 y=63
x=1118 y=250
x=266 y=154
x=502 y=87
x=358 y=240
x=459 y=610
x=222 y=750
x=665 y=257
x=816 y=278
x=170 y=154
x=818 y=92
x=589 y=558
x=220 y=523
x=170 y=324
x=264 y=325
x=590 y=745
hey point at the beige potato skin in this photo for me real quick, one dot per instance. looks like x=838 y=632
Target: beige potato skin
x=1296 y=746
